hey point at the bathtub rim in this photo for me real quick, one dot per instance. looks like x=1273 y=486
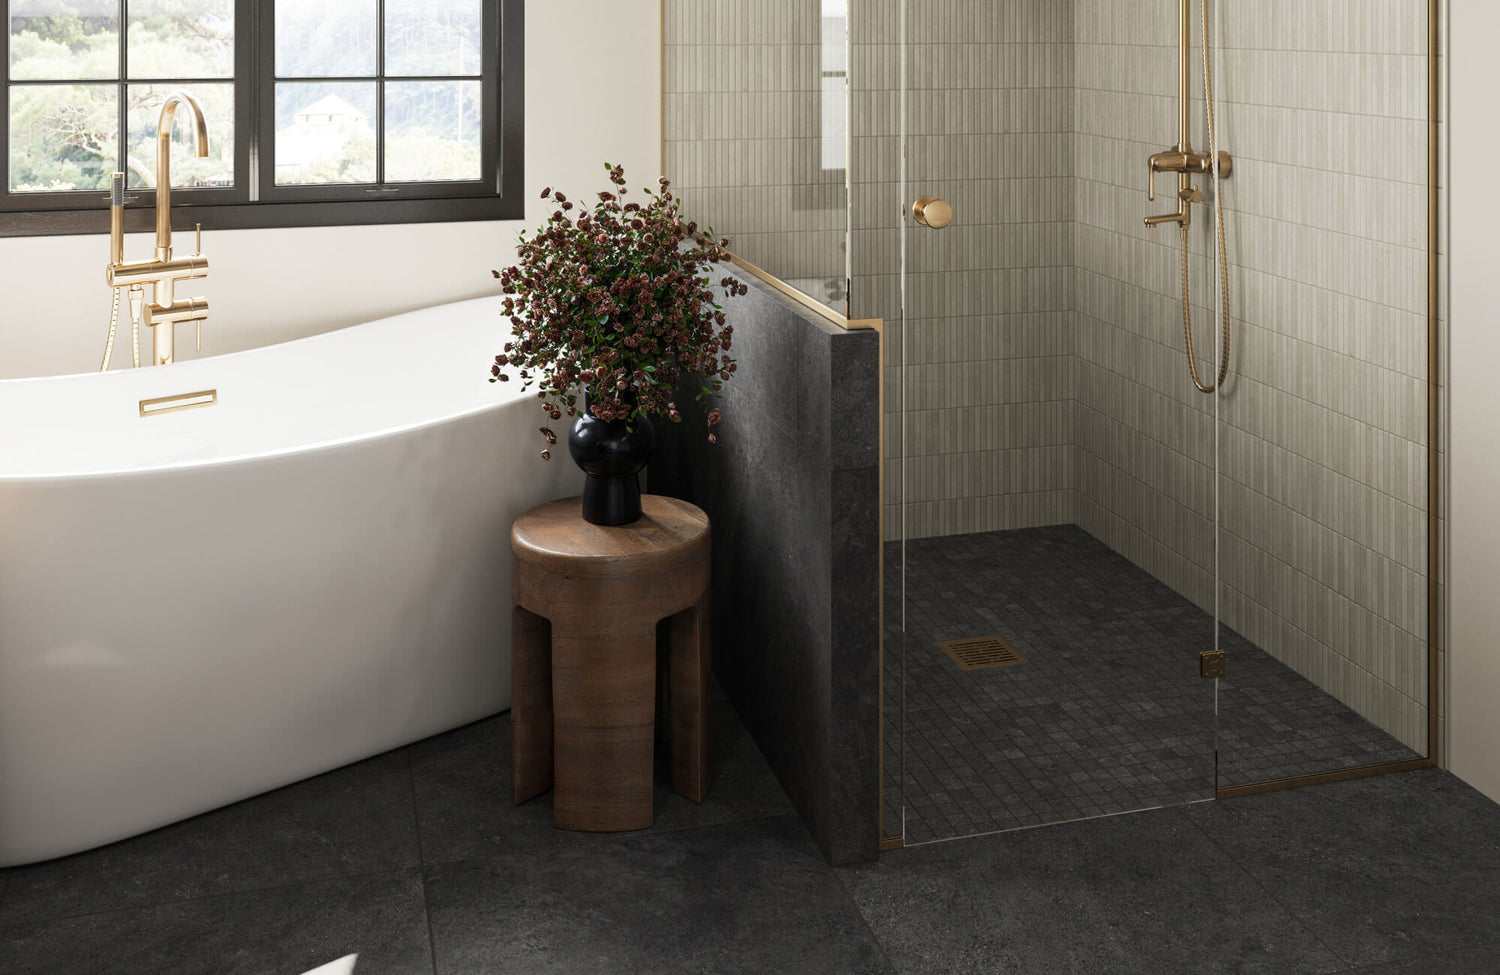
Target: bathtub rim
x=504 y=399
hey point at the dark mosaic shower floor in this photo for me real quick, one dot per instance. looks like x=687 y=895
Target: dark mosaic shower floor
x=1108 y=715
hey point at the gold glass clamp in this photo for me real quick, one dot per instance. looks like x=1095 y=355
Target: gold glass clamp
x=1213 y=664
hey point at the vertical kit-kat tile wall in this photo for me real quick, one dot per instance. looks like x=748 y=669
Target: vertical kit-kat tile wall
x=1044 y=378
x=743 y=136
x=1325 y=432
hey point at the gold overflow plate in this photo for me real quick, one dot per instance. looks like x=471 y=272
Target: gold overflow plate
x=182 y=401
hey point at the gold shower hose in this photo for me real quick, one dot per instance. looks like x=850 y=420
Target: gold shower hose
x=1187 y=309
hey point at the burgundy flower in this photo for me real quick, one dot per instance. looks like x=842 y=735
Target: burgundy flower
x=622 y=301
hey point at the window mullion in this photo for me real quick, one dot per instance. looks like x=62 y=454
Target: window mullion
x=380 y=94
x=122 y=97
x=247 y=135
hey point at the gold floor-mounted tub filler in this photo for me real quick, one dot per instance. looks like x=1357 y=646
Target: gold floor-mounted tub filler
x=1182 y=160
x=162 y=272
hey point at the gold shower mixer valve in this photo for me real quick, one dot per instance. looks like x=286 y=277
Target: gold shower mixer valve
x=1186 y=164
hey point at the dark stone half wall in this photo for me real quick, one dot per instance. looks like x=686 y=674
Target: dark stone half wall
x=792 y=490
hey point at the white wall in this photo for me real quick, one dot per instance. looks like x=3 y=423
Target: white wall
x=593 y=92
x=1474 y=559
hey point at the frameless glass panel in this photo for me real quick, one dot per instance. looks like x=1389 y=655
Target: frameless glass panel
x=180 y=39
x=432 y=37
x=325 y=132
x=1055 y=462
x=754 y=137
x=217 y=169
x=834 y=130
x=325 y=38
x=432 y=130
x=62 y=137
x=53 y=40
x=1325 y=425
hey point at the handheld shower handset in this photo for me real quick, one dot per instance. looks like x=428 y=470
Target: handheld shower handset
x=116 y=256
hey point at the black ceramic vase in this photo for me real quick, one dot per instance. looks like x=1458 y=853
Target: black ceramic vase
x=611 y=455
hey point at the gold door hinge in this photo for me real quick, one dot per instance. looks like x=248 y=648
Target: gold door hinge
x=1212 y=664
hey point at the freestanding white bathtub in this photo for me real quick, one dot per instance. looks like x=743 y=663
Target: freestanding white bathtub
x=199 y=606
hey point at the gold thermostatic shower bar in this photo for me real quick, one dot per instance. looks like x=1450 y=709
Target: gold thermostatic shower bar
x=1182 y=160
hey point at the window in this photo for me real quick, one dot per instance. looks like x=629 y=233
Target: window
x=318 y=111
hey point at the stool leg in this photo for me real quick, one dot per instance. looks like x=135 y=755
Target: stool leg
x=604 y=693
x=690 y=700
x=531 y=705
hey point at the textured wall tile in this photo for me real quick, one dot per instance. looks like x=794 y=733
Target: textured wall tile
x=1039 y=374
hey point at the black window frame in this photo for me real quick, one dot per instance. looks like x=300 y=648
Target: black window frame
x=255 y=202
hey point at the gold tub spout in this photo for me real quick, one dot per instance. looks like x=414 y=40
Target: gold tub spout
x=164 y=163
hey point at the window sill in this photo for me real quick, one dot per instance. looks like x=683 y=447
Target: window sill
x=140 y=218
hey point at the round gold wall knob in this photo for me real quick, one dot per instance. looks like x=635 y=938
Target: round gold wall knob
x=929 y=211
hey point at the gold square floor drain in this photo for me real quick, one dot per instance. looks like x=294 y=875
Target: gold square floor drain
x=981 y=652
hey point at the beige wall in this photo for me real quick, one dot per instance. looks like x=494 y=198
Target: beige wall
x=593 y=86
x=1324 y=437
x=1474 y=645
x=1041 y=374
x=1145 y=434
x=989 y=383
x=1322 y=428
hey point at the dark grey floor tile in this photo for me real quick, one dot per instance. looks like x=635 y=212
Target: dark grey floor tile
x=462 y=787
x=1382 y=869
x=1472 y=961
x=1111 y=675
x=352 y=821
x=751 y=897
x=1144 y=893
x=263 y=932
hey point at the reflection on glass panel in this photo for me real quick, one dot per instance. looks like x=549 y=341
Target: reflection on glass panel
x=835 y=35
x=187 y=169
x=180 y=39
x=432 y=37
x=63 y=40
x=835 y=122
x=835 y=98
x=325 y=38
x=325 y=132
x=432 y=130
x=62 y=137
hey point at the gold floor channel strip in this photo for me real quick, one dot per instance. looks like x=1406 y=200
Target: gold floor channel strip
x=982 y=652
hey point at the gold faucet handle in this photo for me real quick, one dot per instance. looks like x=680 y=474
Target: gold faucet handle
x=1170 y=161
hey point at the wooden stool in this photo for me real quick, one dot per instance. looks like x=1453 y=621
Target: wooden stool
x=587 y=601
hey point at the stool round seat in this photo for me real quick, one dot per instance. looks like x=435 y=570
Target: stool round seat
x=555 y=538
x=587 y=603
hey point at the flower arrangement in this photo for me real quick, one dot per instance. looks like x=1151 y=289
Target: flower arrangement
x=619 y=304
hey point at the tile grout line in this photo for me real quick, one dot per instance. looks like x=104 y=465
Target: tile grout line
x=1213 y=841
x=416 y=823
x=610 y=838
x=1376 y=967
x=219 y=895
x=838 y=875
